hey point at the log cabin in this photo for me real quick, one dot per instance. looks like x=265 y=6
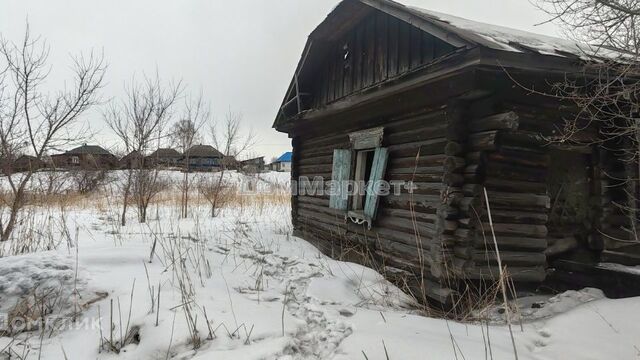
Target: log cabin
x=165 y=158
x=86 y=157
x=389 y=93
x=133 y=160
x=202 y=158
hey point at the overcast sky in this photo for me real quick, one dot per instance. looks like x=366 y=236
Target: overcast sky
x=241 y=53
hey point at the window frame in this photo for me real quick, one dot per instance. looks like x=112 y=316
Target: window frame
x=358 y=208
x=359 y=178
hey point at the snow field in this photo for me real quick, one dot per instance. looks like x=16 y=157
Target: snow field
x=266 y=295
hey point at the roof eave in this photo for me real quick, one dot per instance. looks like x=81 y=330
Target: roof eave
x=452 y=35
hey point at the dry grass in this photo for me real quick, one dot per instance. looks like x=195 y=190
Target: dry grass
x=233 y=199
x=103 y=198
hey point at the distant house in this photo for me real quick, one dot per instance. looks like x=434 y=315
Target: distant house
x=230 y=163
x=132 y=160
x=26 y=163
x=283 y=163
x=164 y=157
x=254 y=165
x=86 y=157
x=202 y=158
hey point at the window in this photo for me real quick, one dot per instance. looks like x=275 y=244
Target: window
x=362 y=175
x=357 y=174
x=75 y=160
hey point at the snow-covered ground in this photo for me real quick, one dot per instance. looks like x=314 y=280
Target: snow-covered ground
x=61 y=181
x=253 y=291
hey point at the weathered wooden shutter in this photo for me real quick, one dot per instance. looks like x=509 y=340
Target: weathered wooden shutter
x=378 y=169
x=340 y=175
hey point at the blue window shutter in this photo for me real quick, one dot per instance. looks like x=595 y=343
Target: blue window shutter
x=340 y=175
x=378 y=169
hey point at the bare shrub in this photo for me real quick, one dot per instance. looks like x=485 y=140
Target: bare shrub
x=230 y=141
x=217 y=192
x=185 y=134
x=34 y=121
x=147 y=184
x=52 y=182
x=139 y=121
x=87 y=181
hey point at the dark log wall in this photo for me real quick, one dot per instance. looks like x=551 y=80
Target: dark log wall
x=513 y=170
x=379 y=48
x=508 y=152
x=407 y=232
x=617 y=237
x=441 y=232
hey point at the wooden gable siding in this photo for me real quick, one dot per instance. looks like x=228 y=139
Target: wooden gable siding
x=379 y=48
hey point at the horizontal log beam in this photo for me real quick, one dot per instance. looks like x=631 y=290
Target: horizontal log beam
x=508 y=120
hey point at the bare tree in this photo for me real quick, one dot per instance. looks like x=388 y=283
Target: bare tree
x=140 y=121
x=115 y=118
x=33 y=121
x=216 y=192
x=607 y=91
x=185 y=134
x=603 y=24
x=88 y=180
x=230 y=141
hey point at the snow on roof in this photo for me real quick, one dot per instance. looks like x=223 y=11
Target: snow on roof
x=88 y=149
x=166 y=153
x=204 y=151
x=286 y=157
x=508 y=39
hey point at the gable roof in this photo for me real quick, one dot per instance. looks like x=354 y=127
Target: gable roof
x=26 y=157
x=203 y=151
x=286 y=157
x=253 y=160
x=131 y=155
x=462 y=34
x=166 y=153
x=508 y=39
x=88 y=149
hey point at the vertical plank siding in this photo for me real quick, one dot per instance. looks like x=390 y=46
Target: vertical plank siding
x=340 y=172
x=379 y=48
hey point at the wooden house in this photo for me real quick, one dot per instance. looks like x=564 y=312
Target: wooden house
x=442 y=107
x=230 y=162
x=27 y=163
x=202 y=158
x=283 y=163
x=133 y=160
x=164 y=157
x=86 y=157
x=252 y=166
